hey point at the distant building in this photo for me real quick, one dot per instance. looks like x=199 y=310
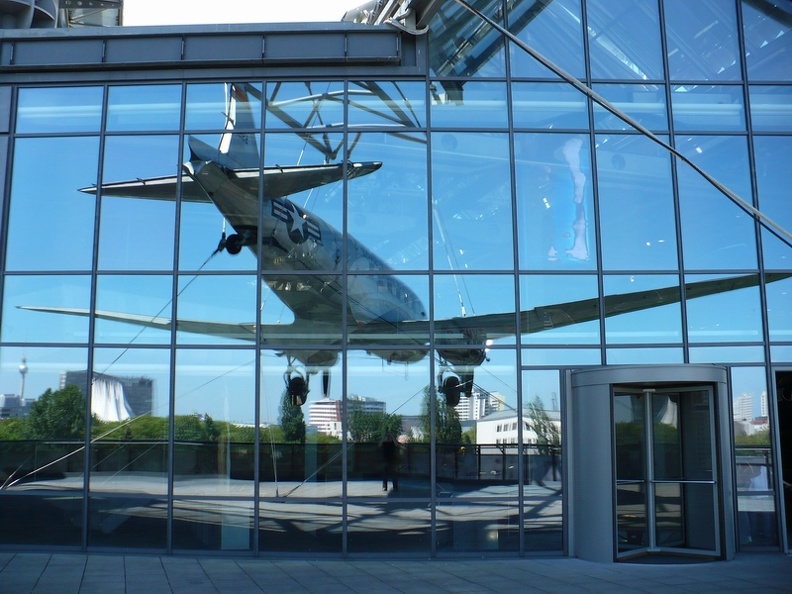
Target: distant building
x=480 y=404
x=325 y=415
x=11 y=406
x=743 y=407
x=114 y=398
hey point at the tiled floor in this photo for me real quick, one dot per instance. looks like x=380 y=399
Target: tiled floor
x=132 y=574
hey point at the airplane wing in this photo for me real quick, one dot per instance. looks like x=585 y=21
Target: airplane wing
x=278 y=182
x=452 y=330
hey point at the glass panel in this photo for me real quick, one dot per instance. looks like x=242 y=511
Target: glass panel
x=464 y=45
x=298 y=461
x=137 y=233
x=203 y=223
x=771 y=108
x=636 y=204
x=222 y=309
x=52 y=202
x=646 y=104
x=702 y=40
x=34 y=309
x=669 y=513
x=127 y=522
x=779 y=314
x=460 y=295
x=634 y=356
x=773 y=180
x=624 y=39
x=307 y=104
x=213 y=525
x=477 y=525
x=750 y=407
x=208 y=103
x=476 y=105
x=707 y=107
x=658 y=319
x=41 y=520
x=560 y=356
x=130 y=407
x=554 y=201
x=386 y=426
x=387 y=103
x=59 y=109
x=143 y=298
x=562 y=309
x=729 y=316
x=388 y=209
x=716 y=233
x=214 y=412
x=393 y=527
x=548 y=105
x=301 y=527
x=554 y=29
x=666 y=438
x=472 y=195
x=721 y=355
x=143 y=107
x=766 y=30
x=630 y=445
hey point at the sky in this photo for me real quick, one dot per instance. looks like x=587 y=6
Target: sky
x=193 y=12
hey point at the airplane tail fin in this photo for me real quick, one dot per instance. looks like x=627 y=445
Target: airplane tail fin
x=238 y=148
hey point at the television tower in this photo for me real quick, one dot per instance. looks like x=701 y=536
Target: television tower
x=23 y=369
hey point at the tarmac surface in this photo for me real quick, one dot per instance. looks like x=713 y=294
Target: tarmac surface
x=62 y=573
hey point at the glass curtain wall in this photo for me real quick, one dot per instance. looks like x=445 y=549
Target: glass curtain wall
x=330 y=315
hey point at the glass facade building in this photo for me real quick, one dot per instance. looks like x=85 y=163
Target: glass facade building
x=325 y=289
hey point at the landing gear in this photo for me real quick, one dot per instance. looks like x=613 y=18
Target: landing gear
x=454 y=386
x=297 y=388
x=234 y=243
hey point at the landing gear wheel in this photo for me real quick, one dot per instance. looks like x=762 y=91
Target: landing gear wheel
x=451 y=390
x=233 y=244
x=298 y=390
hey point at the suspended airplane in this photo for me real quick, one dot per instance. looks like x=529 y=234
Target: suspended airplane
x=377 y=309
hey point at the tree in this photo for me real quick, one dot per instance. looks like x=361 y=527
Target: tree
x=370 y=427
x=547 y=434
x=448 y=429
x=292 y=420
x=58 y=415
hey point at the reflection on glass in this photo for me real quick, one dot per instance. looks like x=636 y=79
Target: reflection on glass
x=707 y=107
x=137 y=233
x=387 y=103
x=388 y=527
x=214 y=422
x=630 y=449
x=59 y=109
x=766 y=34
x=779 y=314
x=733 y=354
x=225 y=525
x=730 y=316
x=126 y=296
x=554 y=201
x=660 y=323
x=771 y=108
x=465 y=45
x=548 y=105
x=52 y=201
x=472 y=196
x=208 y=103
x=562 y=309
x=301 y=105
x=635 y=356
x=130 y=410
x=387 y=425
x=644 y=103
x=303 y=527
x=127 y=522
x=773 y=180
x=143 y=107
x=554 y=29
x=388 y=210
x=476 y=105
x=30 y=305
x=702 y=40
x=624 y=39
x=221 y=307
x=561 y=356
x=475 y=525
x=41 y=520
x=716 y=233
x=636 y=204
